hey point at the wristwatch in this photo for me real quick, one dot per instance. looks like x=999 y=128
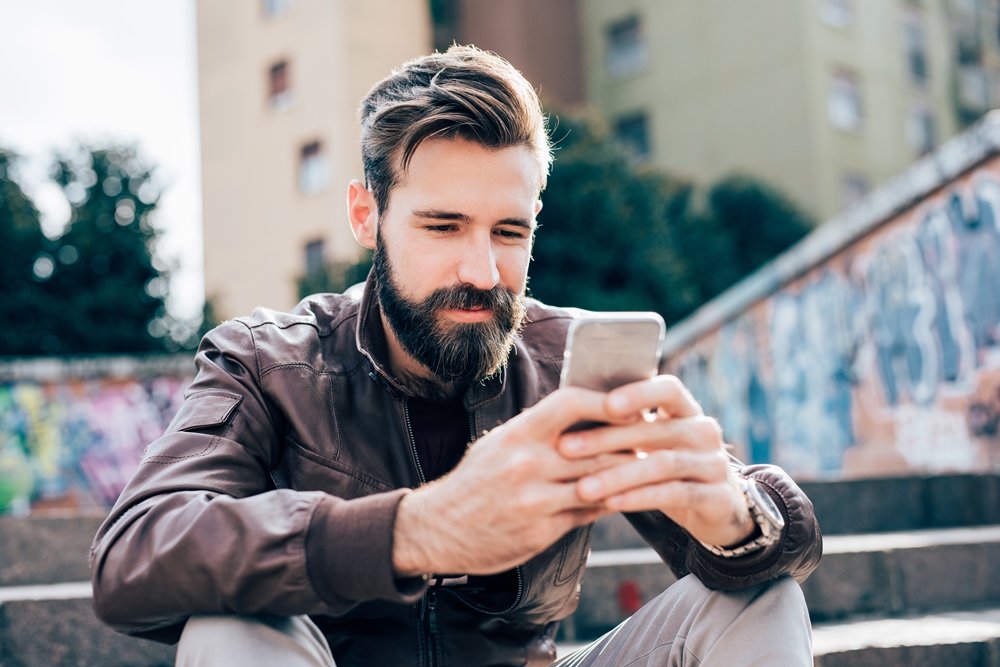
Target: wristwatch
x=764 y=512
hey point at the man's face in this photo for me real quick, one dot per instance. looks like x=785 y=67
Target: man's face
x=452 y=255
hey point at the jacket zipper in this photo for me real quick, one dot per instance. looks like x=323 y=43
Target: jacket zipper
x=412 y=440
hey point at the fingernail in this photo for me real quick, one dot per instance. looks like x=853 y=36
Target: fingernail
x=618 y=403
x=591 y=486
x=573 y=444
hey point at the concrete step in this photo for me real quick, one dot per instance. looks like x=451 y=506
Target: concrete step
x=55 y=626
x=905 y=503
x=45 y=550
x=885 y=573
x=959 y=639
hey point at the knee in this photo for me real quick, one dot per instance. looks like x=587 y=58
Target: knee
x=783 y=593
x=206 y=639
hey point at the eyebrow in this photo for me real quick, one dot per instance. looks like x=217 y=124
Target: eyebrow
x=434 y=214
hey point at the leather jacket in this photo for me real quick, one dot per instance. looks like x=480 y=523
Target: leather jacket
x=274 y=491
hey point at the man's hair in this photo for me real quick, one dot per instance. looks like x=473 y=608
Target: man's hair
x=463 y=93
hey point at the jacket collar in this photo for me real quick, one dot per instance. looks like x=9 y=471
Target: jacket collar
x=371 y=342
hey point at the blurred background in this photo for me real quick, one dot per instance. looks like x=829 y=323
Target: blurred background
x=167 y=165
x=808 y=191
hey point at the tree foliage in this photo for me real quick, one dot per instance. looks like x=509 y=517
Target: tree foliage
x=98 y=288
x=335 y=277
x=616 y=236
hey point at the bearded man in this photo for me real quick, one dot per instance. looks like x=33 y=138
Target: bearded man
x=385 y=477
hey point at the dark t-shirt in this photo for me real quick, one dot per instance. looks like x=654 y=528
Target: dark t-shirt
x=440 y=434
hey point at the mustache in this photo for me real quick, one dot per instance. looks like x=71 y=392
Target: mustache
x=467 y=297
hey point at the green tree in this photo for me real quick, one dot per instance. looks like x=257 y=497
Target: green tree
x=104 y=269
x=335 y=276
x=604 y=240
x=21 y=241
x=617 y=236
x=97 y=288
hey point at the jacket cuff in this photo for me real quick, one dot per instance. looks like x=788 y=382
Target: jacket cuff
x=349 y=551
x=796 y=552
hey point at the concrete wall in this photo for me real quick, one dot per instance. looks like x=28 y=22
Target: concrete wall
x=72 y=432
x=880 y=357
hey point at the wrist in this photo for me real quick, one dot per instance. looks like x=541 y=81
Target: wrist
x=409 y=539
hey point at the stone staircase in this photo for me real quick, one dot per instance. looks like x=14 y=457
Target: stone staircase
x=910 y=576
x=46 y=616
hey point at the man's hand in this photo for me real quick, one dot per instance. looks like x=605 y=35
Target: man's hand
x=512 y=495
x=682 y=469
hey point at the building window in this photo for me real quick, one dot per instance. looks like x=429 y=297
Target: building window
x=974 y=88
x=279 y=93
x=837 y=13
x=852 y=188
x=633 y=132
x=315 y=260
x=920 y=129
x=628 y=51
x=314 y=169
x=275 y=8
x=915 y=43
x=844 y=102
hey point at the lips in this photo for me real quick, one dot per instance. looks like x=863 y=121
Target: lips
x=469 y=314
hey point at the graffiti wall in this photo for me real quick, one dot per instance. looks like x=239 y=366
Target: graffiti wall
x=71 y=443
x=884 y=359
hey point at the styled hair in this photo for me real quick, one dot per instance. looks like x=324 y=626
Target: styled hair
x=463 y=93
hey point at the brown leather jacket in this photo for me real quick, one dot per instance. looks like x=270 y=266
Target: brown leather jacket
x=275 y=487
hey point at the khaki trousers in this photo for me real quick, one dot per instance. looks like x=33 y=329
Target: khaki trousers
x=685 y=626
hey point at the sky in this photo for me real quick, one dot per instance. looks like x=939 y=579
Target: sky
x=109 y=71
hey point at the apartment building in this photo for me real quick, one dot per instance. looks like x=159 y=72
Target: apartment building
x=823 y=98
x=279 y=83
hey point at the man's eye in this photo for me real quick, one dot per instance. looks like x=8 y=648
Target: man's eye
x=440 y=228
x=510 y=233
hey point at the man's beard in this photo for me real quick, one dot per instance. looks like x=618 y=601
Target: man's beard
x=455 y=352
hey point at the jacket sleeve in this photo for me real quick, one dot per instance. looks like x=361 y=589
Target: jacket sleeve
x=796 y=553
x=201 y=528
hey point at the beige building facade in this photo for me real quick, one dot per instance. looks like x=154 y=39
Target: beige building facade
x=280 y=82
x=824 y=99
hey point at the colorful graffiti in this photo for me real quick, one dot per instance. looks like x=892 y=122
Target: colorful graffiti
x=73 y=444
x=884 y=359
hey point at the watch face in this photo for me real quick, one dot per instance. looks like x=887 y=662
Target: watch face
x=768 y=508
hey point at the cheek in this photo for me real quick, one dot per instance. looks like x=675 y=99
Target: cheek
x=513 y=267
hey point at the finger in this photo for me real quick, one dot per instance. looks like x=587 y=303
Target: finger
x=575 y=518
x=574 y=469
x=563 y=408
x=708 y=499
x=550 y=499
x=664 y=392
x=693 y=433
x=660 y=466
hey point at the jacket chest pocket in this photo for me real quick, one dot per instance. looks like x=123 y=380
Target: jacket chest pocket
x=304 y=470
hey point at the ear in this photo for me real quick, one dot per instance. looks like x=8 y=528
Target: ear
x=538 y=206
x=363 y=214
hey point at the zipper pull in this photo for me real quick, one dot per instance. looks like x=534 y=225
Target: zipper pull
x=432 y=608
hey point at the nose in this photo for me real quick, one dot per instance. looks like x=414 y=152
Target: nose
x=478 y=264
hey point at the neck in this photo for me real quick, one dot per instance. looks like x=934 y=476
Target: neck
x=413 y=374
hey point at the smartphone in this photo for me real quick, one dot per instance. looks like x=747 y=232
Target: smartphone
x=607 y=350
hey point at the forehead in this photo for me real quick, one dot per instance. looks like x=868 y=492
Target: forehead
x=462 y=173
